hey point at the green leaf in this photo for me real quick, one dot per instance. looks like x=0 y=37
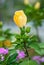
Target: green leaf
x=36 y=47
x=7 y=31
x=33 y=62
x=12 y=58
x=28 y=29
x=39 y=48
x=2 y=38
x=28 y=62
x=42 y=51
x=41 y=45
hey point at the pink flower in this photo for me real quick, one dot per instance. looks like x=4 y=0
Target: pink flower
x=21 y=54
x=3 y=51
x=2 y=58
x=42 y=59
x=37 y=59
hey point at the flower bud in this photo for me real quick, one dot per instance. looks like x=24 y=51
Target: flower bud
x=37 y=5
x=26 y=2
x=28 y=29
x=20 y=18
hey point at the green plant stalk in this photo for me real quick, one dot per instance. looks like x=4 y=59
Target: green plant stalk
x=26 y=51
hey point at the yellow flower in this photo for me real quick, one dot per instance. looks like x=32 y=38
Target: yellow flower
x=20 y=18
x=7 y=43
x=37 y=5
x=26 y=2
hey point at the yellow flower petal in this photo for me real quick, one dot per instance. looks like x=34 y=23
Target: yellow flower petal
x=20 y=18
x=7 y=43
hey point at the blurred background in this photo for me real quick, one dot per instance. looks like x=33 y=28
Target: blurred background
x=7 y=9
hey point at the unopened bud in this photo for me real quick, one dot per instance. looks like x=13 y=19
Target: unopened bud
x=26 y=2
x=37 y=5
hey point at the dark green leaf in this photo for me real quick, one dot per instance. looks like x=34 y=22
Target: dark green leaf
x=12 y=58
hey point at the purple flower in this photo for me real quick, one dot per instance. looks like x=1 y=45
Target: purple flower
x=42 y=59
x=37 y=59
x=21 y=54
x=3 y=51
x=2 y=58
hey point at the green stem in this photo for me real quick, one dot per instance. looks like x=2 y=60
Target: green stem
x=22 y=33
x=26 y=50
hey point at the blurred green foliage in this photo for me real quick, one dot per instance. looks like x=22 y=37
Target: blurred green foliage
x=36 y=16
x=24 y=40
x=8 y=7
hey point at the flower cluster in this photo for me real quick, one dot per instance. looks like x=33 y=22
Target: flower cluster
x=38 y=59
x=3 y=52
x=21 y=54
